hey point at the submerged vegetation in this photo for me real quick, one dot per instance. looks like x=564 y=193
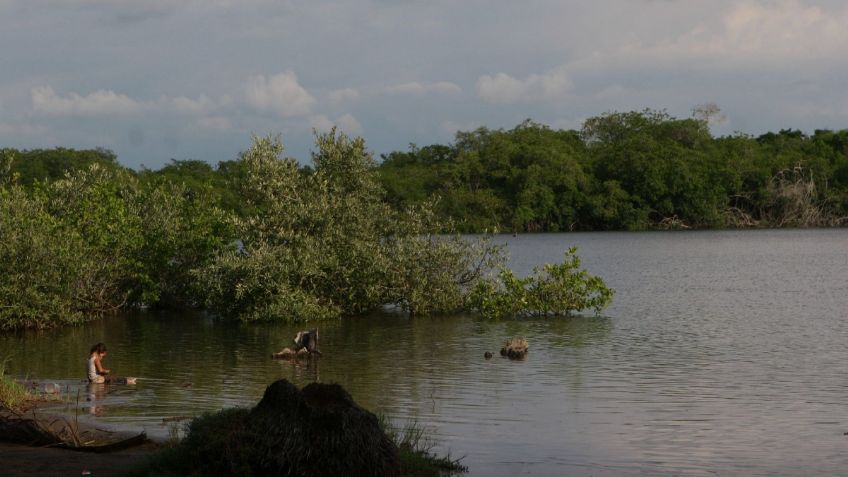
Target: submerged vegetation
x=302 y=243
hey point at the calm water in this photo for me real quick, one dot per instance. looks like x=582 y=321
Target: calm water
x=723 y=353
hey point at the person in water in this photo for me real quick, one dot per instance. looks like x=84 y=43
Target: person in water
x=97 y=374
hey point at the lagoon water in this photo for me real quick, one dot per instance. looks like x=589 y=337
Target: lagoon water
x=724 y=353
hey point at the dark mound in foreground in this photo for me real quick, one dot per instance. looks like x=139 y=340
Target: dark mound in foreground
x=319 y=431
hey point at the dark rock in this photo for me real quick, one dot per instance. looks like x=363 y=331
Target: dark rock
x=488 y=355
x=515 y=348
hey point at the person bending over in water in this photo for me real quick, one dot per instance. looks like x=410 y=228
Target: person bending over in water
x=97 y=373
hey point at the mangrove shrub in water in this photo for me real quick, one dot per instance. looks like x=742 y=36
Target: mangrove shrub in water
x=556 y=289
x=98 y=240
x=305 y=243
x=323 y=243
x=38 y=273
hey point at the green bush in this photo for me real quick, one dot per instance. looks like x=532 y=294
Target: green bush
x=97 y=240
x=305 y=243
x=324 y=243
x=556 y=289
x=42 y=265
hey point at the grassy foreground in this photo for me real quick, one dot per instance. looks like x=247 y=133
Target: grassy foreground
x=13 y=396
x=416 y=451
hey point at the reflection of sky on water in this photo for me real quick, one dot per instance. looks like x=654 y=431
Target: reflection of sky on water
x=722 y=353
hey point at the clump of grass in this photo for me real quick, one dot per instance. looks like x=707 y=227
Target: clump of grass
x=176 y=431
x=207 y=448
x=13 y=396
x=416 y=451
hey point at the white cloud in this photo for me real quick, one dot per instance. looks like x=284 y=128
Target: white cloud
x=349 y=125
x=109 y=103
x=280 y=94
x=320 y=122
x=503 y=88
x=782 y=29
x=182 y=104
x=342 y=95
x=100 y=102
x=758 y=31
x=418 y=89
x=346 y=123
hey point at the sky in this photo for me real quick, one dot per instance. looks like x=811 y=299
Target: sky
x=195 y=79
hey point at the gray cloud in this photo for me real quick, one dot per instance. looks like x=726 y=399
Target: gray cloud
x=195 y=77
x=416 y=88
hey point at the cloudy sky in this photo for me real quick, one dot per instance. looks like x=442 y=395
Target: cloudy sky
x=192 y=79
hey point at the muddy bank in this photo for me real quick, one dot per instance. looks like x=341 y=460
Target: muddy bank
x=20 y=460
x=34 y=443
x=37 y=429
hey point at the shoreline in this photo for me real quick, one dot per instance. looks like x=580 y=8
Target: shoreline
x=23 y=460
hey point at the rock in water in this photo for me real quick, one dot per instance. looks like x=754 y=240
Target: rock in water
x=317 y=431
x=515 y=348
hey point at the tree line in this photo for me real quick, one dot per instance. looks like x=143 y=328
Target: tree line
x=625 y=171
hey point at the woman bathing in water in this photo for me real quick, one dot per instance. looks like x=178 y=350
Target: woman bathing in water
x=97 y=373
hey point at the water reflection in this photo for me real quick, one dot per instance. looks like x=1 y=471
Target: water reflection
x=96 y=397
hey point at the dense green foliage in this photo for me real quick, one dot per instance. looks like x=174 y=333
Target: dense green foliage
x=97 y=240
x=301 y=243
x=323 y=243
x=31 y=166
x=634 y=170
x=555 y=289
x=262 y=237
